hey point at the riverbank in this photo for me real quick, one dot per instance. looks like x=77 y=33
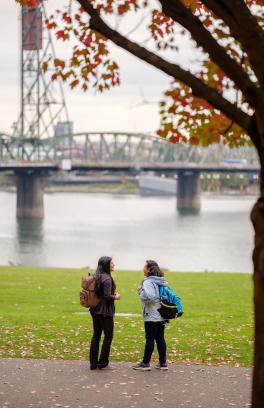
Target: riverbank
x=40 y=317
x=125 y=189
x=121 y=188
x=117 y=185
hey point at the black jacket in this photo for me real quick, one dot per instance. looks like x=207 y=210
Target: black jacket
x=106 y=292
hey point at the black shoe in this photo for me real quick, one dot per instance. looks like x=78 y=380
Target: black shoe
x=162 y=366
x=93 y=367
x=141 y=366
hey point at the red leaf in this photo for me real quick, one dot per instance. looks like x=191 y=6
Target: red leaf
x=54 y=77
x=62 y=35
x=33 y=3
x=67 y=19
x=174 y=139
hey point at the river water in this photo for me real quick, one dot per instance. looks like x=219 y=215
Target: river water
x=78 y=228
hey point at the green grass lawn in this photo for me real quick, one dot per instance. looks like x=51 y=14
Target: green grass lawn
x=39 y=316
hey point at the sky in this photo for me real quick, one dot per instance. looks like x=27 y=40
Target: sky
x=121 y=109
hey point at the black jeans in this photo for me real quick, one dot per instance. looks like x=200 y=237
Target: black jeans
x=154 y=331
x=106 y=325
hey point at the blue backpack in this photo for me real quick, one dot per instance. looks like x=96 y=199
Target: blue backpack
x=171 y=306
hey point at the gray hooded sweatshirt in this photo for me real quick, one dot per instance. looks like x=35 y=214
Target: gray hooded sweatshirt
x=150 y=301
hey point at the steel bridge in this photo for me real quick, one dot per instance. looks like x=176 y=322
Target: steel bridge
x=31 y=160
x=120 y=147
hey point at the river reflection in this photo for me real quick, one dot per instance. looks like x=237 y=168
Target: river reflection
x=78 y=228
x=29 y=240
x=29 y=232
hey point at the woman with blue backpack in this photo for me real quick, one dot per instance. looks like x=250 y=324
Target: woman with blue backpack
x=154 y=323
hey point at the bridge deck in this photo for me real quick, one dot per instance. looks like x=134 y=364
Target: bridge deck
x=128 y=167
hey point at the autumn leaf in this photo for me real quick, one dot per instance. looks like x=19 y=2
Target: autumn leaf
x=45 y=66
x=58 y=63
x=61 y=34
x=74 y=83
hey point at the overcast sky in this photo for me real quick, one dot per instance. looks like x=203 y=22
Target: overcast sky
x=116 y=110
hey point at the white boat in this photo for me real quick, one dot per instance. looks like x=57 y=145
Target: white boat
x=153 y=185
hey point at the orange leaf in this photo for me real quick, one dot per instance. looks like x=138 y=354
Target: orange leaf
x=45 y=66
x=59 y=63
x=74 y=83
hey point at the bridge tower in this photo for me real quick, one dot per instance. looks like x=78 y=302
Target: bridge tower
x=42 y=105
x=42 y=100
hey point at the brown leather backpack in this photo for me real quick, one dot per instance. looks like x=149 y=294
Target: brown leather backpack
x=88 y=297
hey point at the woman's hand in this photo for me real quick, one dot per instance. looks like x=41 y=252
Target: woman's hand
x=139 y=288
x=117 y=296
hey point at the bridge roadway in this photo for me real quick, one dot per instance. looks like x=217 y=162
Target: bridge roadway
x=67 y=165
x=29 y=177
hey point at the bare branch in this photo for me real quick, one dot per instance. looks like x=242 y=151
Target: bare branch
x=244 y=27
x=176 y=10
x=143 y=18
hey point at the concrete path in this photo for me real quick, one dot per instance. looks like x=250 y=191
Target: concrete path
x=70 y=384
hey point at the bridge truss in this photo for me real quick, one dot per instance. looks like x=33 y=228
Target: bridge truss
x=106 y=147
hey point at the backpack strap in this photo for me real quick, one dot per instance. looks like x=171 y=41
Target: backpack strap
x=161 y=291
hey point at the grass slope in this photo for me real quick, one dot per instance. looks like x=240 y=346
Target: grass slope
x=38 y=316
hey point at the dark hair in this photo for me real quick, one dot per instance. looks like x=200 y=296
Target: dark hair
x=103 y=266
x=154 y=269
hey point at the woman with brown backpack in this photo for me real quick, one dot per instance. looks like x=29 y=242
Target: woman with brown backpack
x=103 y=313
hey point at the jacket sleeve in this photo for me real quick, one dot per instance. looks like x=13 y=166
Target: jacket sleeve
x=107 y=290
x=148 y=292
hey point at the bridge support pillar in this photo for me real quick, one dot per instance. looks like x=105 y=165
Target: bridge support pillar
x=30 y=203
x=188 y=192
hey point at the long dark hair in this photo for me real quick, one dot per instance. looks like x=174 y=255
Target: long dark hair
x=103 y=266
x=153 y=268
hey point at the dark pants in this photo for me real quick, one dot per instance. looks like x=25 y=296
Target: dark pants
x=106 y=325
x=154 y=331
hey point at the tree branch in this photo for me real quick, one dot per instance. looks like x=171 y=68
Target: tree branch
x=199 y=88
x=244 y=28
x=176 y=10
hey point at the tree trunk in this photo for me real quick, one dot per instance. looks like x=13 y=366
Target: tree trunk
x=257 y=218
